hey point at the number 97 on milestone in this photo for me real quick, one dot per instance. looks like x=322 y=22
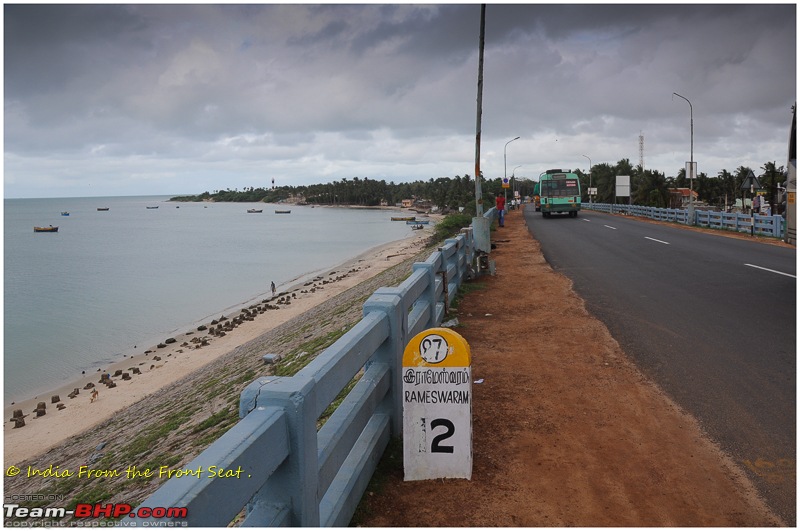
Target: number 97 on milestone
x=437 y=406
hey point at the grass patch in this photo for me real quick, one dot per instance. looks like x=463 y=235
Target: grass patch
x=144 y=443
x=247 y=377
x=95 y=494
x=337 y=402
x=154 y=464
x=304 y=353
x=451 y=225
x=220 y=417
x=465 y=289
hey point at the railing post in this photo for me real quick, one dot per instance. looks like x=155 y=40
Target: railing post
x=777 y=225
x=297 y=478
x=453 y=259
x=469 y=246
x=430 y=291
x=388 y=301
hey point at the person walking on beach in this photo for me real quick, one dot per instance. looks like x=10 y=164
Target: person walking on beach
x=273 y=288
x=500 y=203
x=95 y=394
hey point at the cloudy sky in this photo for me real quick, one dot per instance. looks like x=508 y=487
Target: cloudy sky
x=171 y=99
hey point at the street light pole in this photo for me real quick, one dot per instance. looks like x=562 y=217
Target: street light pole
x=590 y=179
x=505 y=174
x=691 y=157
x=514 y=182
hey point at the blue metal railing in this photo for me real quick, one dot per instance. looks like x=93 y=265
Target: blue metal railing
x=283 y=470
x=764 y=225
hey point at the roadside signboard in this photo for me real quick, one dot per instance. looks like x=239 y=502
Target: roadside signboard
x=691 y=170
x=623 y=188
x=437 y=406
x=506 y=184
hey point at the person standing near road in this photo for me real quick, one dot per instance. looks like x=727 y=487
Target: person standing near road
x=500 y=203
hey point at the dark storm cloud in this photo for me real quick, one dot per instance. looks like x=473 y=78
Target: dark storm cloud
x=314 y=92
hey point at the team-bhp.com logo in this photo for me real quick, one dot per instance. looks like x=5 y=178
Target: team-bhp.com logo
x=20 y=516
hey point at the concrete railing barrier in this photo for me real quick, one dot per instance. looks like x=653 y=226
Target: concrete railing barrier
x=276 y=464
x=764 y=225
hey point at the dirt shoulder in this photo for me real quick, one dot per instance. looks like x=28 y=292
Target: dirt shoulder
x=566 y=430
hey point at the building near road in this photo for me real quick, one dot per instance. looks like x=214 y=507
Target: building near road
x=679 y=197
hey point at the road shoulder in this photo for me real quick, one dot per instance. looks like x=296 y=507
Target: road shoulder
x=566 y=430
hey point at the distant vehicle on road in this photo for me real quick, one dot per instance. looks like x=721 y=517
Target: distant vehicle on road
x=560 y=193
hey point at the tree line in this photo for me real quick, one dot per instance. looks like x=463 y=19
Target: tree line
x=651 y=187
x=648 y=188
x=445 y=192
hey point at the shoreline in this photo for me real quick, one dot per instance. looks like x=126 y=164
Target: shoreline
x=132 y=346
x=192 y=350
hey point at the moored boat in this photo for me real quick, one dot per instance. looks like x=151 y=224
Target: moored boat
x=417 y=227
x=283 y=211
x=45 y=229
x=417 y=222
x=405 y=218
x=102 y=209
x=254 y=211
x=151 y=208
x=65 y=213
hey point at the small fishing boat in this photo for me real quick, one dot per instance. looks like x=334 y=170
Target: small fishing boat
x=283 y=211
x=102 y=209
x=405 y=218
x=65 y=213
x=418 y=222
x=45 y=229
x=417 y=227
x=151 y=208
x=254 y=211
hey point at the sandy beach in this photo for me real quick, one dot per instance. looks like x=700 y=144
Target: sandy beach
x=190 y=352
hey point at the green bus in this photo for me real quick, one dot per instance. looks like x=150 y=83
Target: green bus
x=560 y=193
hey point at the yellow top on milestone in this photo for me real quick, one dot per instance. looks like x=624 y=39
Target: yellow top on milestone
x=437 y=347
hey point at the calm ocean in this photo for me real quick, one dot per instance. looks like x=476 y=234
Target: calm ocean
x=75 y=300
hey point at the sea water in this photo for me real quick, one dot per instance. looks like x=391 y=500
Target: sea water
x=131 y=275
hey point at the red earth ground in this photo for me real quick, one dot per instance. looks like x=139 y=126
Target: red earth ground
x=572 y=435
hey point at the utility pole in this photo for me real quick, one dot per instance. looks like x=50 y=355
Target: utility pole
x=478 y=195
x=481 y=226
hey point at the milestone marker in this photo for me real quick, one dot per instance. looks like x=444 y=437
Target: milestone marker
x=437 y=406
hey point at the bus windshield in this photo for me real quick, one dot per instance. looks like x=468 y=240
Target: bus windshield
x=559 y=188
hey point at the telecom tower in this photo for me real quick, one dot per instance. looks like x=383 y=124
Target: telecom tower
x=641 y=151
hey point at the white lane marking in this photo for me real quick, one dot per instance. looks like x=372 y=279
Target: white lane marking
x=653 y=239
x=584 y=219
x=771 y=270
x=610 y=227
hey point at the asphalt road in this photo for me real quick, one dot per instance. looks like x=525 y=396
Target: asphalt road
x=712 y=320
